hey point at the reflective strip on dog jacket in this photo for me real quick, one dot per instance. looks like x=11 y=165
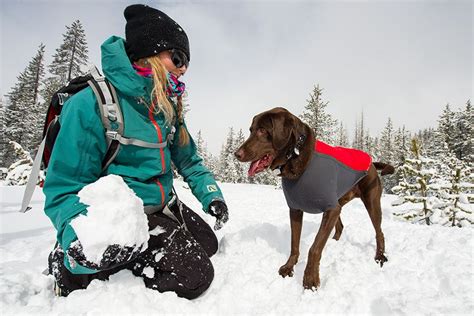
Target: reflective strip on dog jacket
x=331 y=173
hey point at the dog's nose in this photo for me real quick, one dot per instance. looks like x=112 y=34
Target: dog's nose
x=239 y=154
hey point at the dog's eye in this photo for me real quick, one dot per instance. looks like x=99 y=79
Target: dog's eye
x=262 y=131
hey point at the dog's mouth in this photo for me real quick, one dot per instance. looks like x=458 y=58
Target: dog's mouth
x=260 y=165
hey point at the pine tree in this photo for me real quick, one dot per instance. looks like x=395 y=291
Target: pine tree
x=446 y=126
x=463 y=142
x=401 y=142
x=415 y=186
x=226 y=172
x=213 y=165
x=68 y=60
x=401 y=150
x=201 y=147
x=359 y=134
x=375 y=151
x=387 y=148
x=3 y=128
x=342 y=139
x=457 y=187
x=387 y=153
x=368 y=143
x=241 y=174
x=208 y=159
x=317 y=118
x=24 y=116
x=19 y=172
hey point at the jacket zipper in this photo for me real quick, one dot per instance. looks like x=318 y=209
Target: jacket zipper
x=160 y=139
x=161 y=190
x=162 y=153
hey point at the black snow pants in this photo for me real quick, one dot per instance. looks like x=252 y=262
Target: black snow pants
x=176 y=260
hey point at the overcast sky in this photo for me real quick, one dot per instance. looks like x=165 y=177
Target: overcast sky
x=398 y=59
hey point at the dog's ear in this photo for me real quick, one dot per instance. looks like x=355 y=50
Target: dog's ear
x=282 y=129
x=301 y=128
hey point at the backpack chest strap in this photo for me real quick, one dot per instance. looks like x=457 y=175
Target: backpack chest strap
x=113 y=135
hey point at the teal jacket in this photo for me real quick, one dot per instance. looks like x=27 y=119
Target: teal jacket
x=80 y=147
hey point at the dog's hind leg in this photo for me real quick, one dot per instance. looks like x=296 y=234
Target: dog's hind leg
x=339 y=227
x=296 y=221
x=371 y=199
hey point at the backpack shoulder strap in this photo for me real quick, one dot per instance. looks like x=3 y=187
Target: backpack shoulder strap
x=111 y=113
x=112 y=118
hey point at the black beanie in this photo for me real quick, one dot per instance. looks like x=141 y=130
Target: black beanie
x=149 y=31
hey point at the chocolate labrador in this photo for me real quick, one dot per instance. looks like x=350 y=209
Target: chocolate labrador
x=316 y=178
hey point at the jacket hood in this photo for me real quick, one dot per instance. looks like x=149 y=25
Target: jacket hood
x=118 y=69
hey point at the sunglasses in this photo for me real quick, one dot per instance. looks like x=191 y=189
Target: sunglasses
x=179 y=58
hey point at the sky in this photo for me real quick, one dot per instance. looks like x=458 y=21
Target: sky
x=400 y=59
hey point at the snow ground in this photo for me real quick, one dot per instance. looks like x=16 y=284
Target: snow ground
x=430 y=269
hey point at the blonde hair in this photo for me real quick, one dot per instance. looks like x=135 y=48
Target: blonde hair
x=160 y=101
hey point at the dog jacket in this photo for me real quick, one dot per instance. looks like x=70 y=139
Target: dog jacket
x=331 y=173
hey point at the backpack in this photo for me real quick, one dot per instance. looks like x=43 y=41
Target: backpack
x=111 y=116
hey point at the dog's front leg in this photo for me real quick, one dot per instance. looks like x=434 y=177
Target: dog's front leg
x=311 y=273
x=296 y=222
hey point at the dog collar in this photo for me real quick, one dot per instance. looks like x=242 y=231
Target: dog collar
x=295 y=152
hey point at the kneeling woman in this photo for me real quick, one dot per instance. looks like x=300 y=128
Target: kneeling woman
x=144 y=69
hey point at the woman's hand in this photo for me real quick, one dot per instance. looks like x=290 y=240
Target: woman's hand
x=218 y=209
x=114 y=256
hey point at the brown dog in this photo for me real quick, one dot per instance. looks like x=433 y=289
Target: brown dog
x=280 y=140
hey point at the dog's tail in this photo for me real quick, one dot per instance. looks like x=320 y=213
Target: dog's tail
x=386 y=168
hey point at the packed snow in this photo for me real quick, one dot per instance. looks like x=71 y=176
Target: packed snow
x=430 y=269
x=114 y=216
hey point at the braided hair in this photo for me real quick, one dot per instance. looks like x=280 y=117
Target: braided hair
x=162 y=103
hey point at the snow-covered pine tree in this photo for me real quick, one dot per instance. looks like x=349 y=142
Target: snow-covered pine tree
x=342 y=138
x=24 y=116
x=359 y=133
x=401 y=142
x=370 y=145
x=458 y=190
x=69 y=59
x=375 y=151
x=415 y=186
x=241 y=172
x=226 y=170
x=401 y=150
x=316 y=116
x=463 y=142
x=208 y=159
x=3 y=127
x=387 y=153
x=213 y=164
x=201 y=147
x=387 y=148
x=446 y=126
x=430 y=139
x=19 y=172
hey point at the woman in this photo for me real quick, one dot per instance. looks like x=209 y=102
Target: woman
x=144 y=69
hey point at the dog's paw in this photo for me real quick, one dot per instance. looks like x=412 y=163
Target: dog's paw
x=380 y=259
x=286 y=270
x=311 y=281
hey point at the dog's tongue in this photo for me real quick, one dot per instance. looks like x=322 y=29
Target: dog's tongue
x=259 y=165
x=253 y=168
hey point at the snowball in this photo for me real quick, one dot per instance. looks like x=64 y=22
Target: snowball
x=115 y=215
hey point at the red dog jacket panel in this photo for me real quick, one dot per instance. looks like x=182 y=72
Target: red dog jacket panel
x=353 y=158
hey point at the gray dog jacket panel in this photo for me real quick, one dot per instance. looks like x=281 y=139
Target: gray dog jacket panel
x=331 y=173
